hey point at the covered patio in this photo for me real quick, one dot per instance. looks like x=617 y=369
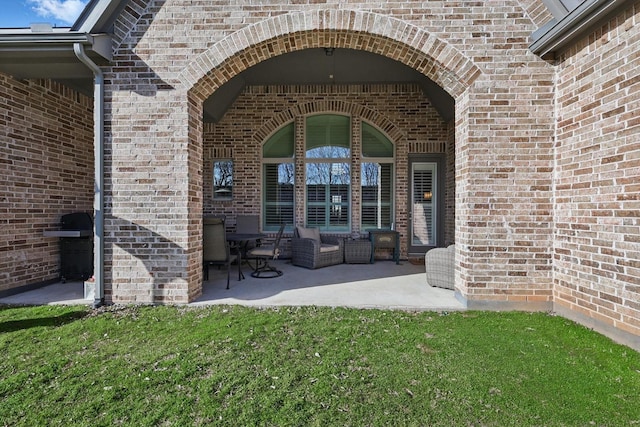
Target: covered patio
x=383 y=285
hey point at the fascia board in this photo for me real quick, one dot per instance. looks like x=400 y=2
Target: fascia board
x=574 y=25
x=52 y=42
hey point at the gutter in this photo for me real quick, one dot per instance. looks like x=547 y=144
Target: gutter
x=98 y=150
x=557 y=35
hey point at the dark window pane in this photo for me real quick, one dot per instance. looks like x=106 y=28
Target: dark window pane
x=222 y=179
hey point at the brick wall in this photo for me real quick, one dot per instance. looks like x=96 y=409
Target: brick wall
x=172 y=55
x=597 y=186
x=46 y=161
x=400 y=109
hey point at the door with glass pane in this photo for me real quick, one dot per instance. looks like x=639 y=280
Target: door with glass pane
x=425 y=199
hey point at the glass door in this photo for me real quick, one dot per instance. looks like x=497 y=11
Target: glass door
x=424 y=197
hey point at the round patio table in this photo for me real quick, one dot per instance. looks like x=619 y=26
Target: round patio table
x=242 y=240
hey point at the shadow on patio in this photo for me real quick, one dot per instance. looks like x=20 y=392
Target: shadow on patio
x=380 y=285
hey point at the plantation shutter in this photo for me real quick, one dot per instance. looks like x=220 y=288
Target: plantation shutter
x=278 y=195
x=328 y=171
x=423 y=203
x=328 y=136
x=278 y=178
x=377 y=195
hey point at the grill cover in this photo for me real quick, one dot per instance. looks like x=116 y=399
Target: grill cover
x=77 y=221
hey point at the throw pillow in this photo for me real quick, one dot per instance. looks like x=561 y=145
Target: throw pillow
x=309 y=233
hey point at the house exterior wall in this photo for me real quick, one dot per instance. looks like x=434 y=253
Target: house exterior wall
x=417 y=128
x=171 y=55
x=597 y=185
x=46 y=161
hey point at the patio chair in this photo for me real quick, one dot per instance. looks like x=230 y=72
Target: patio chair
x=439 y=265
x=248 y=224
x=215 y=248
x=262 y=255
x=312 y=250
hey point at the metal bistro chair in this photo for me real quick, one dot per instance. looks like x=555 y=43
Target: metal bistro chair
x=249 y=224
x=215 y=248
x=262 y=255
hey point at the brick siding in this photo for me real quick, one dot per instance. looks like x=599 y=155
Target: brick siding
x=504 y=105
x=597 y=186
x=46 y=161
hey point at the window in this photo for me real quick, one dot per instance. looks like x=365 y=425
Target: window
x=328 y=172
x=278 y=178
x=327 y=167
x=223 y=179
x=376 y=179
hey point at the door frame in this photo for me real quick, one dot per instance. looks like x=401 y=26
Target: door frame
x=439 y=160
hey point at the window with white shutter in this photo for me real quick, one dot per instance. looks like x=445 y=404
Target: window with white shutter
x=376 y=179
x=278 y=179
x=328 y=172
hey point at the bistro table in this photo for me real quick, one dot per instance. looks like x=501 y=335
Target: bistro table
x=241 y=241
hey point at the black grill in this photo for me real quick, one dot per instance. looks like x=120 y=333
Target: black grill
x=76 y=246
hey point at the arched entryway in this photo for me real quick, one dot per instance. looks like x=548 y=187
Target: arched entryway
x=330 y=31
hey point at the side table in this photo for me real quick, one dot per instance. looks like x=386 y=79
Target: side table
x=357 y=251
x=385 y=239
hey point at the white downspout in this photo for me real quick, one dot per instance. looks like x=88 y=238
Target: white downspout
x=98 y=155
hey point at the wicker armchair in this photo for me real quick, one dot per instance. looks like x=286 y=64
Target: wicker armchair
x=311 y=250
x=440 y=267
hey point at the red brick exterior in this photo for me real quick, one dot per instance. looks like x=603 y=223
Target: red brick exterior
x=46 y=161
x=544 y=206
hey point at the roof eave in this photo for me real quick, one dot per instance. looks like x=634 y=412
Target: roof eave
x=37 y=42
x=552 y=38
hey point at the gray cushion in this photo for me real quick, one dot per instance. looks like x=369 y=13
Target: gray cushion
x=329 y=248
x=309 y=233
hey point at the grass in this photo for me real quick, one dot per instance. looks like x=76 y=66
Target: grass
x=309 y=366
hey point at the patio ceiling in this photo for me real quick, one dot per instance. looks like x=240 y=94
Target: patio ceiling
x=326 y=66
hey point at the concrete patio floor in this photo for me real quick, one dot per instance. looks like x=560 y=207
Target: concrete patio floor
x=382 y=285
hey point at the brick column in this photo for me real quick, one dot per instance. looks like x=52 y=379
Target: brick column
x=154 y=197
x=504 y=144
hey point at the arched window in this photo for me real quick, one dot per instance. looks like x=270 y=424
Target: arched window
x=328 y=172
x=328 y=162
x=278 y=178
x=376 y=179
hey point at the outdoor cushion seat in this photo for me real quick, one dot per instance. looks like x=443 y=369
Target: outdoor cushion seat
x=326 y=247
x=312 y=250
x=439 y=265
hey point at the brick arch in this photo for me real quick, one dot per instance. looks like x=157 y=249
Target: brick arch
x=280 y=119
x=360 y=30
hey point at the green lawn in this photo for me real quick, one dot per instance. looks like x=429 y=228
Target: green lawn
x=239 y=366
